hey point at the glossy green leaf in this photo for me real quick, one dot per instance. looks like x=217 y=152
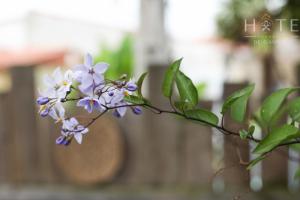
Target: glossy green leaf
x=134 y=99
x=187 y=90
x=273 y=103
x=239 y=108
x=167 y=87
x=238 y=103
x=255 y=161
x=294 y=109
x=182 y=106
x=244 y=134
x=275 y=137
x=140 y=84
x=202 y=115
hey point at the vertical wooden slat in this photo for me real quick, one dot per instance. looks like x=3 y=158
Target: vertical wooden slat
x=4 y=137
x=24 y=125
x=137 y=150
x=234 y=148
x=270 y=79
x=275 y=168
x=46 y=133
x=163 y=132
x=197 y=152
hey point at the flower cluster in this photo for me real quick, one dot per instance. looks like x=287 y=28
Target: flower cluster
x=95 y=94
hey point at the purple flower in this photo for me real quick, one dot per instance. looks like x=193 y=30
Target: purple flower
x=63 y=140
x=121 y=111
x=42 y=100
x=72 y=128
x=90 y=103
x=90 y=75
x=45 y=112
x=137 y=110
x=58 y=84
x=117 y=101
x=57 y=112
x=111 y=93
x=131 y=86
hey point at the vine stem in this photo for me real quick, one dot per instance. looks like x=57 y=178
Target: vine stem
x=157 y=110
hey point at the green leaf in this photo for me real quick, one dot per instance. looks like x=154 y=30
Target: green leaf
x=255 y=161
x=243 y=134
x=140 y=83
x=182 y=106
x=239 y=108
x=294 y=109
x=167 y=87
x=272 y=104
x=237 y=102
x=134 y=99
x=187 y=90
x=202 y=115
x=275 y=137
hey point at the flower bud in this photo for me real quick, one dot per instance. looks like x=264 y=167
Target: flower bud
x=111 y=93
x=44 y=112
x=60 y=140
x=137 y=110
x=67 y=141
x=63 y=140
x=131 y=87
x=42 y=100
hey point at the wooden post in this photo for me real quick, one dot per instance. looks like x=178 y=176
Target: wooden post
x=269 y=73
x=273 y=175
x=196 y=161
x=47 y=132
x=234 y=149
x=160 y=137
x=24 y=124
x=5 y=142
x=137 y=152
x=163 y=133
x=274 y=168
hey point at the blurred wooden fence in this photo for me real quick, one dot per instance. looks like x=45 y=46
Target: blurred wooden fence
x=147 y=149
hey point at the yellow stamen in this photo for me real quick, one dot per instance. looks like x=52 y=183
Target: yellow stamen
x=126 y=93
x=64 y=83
x=42 y=107
x=91 y=102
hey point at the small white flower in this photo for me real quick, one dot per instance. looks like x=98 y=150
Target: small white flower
x=57 y=112
x=90 y=75
x=58 y=84
x=72 y=127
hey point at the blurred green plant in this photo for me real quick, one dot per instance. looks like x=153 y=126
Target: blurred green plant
x=230 y=21
x=201 y=88
x=121 y=59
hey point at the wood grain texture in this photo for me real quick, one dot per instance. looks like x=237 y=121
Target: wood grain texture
x=24 y=146
x=235 y=150
x=196 y=146
x=5 y=139
x=97 y=160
